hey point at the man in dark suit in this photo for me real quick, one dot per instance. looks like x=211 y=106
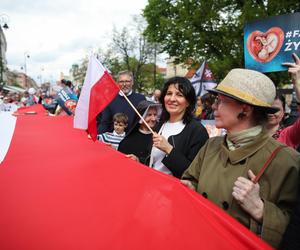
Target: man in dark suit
x=120 y=104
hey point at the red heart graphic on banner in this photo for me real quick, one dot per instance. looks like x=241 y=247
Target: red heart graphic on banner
x=263 y=47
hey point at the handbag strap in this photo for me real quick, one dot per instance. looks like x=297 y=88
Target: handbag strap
x=267 y=163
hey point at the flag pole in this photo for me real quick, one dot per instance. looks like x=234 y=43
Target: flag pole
x=137 y=112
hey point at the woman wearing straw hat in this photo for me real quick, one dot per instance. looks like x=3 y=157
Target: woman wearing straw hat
x=247 y=173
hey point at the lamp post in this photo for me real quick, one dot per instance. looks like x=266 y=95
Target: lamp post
x=42 y=69
x=26 y=56
x=3 y=24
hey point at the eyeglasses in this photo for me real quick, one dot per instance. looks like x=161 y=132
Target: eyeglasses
x=124 y=81
x=222 y=101
x=217 y=101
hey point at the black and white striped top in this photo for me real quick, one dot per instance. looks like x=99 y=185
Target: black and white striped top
x=111 y=138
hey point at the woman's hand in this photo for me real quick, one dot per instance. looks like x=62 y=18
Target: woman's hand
x=133 y=157
x=188 y=184
x=161 y=143
x=246 y=193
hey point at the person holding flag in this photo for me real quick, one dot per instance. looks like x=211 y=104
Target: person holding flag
x=179 y=136
x=100 y=90
x=120 y=104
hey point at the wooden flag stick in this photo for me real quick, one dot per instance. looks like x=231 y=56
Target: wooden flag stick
x=137 y=112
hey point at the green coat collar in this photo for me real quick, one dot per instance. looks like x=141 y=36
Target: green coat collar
x=244 y=152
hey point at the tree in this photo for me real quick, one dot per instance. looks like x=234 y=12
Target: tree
x=129 y=50
x=208 y=29
x=134 y=50
x=111 y=61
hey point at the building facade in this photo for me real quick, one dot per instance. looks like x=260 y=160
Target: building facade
x=3 y=62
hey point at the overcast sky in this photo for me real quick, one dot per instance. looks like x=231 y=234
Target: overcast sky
x=59 y=33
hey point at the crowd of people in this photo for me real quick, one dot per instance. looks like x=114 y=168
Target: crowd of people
x=11 y=100
x=251 y=172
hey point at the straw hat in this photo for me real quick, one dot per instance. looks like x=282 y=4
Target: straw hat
x=248 y=86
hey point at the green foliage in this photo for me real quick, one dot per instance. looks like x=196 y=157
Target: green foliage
x=130 y=50
x=110 y=61
x=209 y=29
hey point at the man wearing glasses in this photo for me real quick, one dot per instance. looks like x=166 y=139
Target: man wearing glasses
x=120 y=105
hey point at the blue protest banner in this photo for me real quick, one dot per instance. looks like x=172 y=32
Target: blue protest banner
x=67 y=99
x=271 y=41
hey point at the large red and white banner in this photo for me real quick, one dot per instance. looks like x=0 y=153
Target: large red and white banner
x=59 y=190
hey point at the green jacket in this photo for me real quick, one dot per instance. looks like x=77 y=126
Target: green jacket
x=215 y=169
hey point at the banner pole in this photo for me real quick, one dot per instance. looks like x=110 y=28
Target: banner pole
x=137 y=112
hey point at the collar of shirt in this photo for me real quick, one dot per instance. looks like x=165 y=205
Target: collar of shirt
x=115 y=133
x=121 y=93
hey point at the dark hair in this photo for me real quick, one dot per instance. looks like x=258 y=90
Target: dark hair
x=68 y=83
x=260 y=115
x=209 y=99
x=281 y=98
x=188 y=91
x=120 y=117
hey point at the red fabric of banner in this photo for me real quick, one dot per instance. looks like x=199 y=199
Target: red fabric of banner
x=102 y=93
x=37 y=109
x=59 y=190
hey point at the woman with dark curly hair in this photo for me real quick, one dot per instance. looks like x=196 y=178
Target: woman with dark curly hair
x=179 y=136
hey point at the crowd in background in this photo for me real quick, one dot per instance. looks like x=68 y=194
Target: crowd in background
x=12 y=100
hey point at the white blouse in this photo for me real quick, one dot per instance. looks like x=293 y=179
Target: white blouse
x=168 y=129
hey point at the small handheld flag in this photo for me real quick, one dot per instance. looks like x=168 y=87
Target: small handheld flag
x=98 y=90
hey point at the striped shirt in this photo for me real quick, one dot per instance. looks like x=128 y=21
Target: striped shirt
x=112 y=138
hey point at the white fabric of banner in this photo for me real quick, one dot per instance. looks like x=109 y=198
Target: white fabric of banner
x=7 y=128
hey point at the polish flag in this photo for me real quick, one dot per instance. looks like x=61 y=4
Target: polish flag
x=98 y=90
